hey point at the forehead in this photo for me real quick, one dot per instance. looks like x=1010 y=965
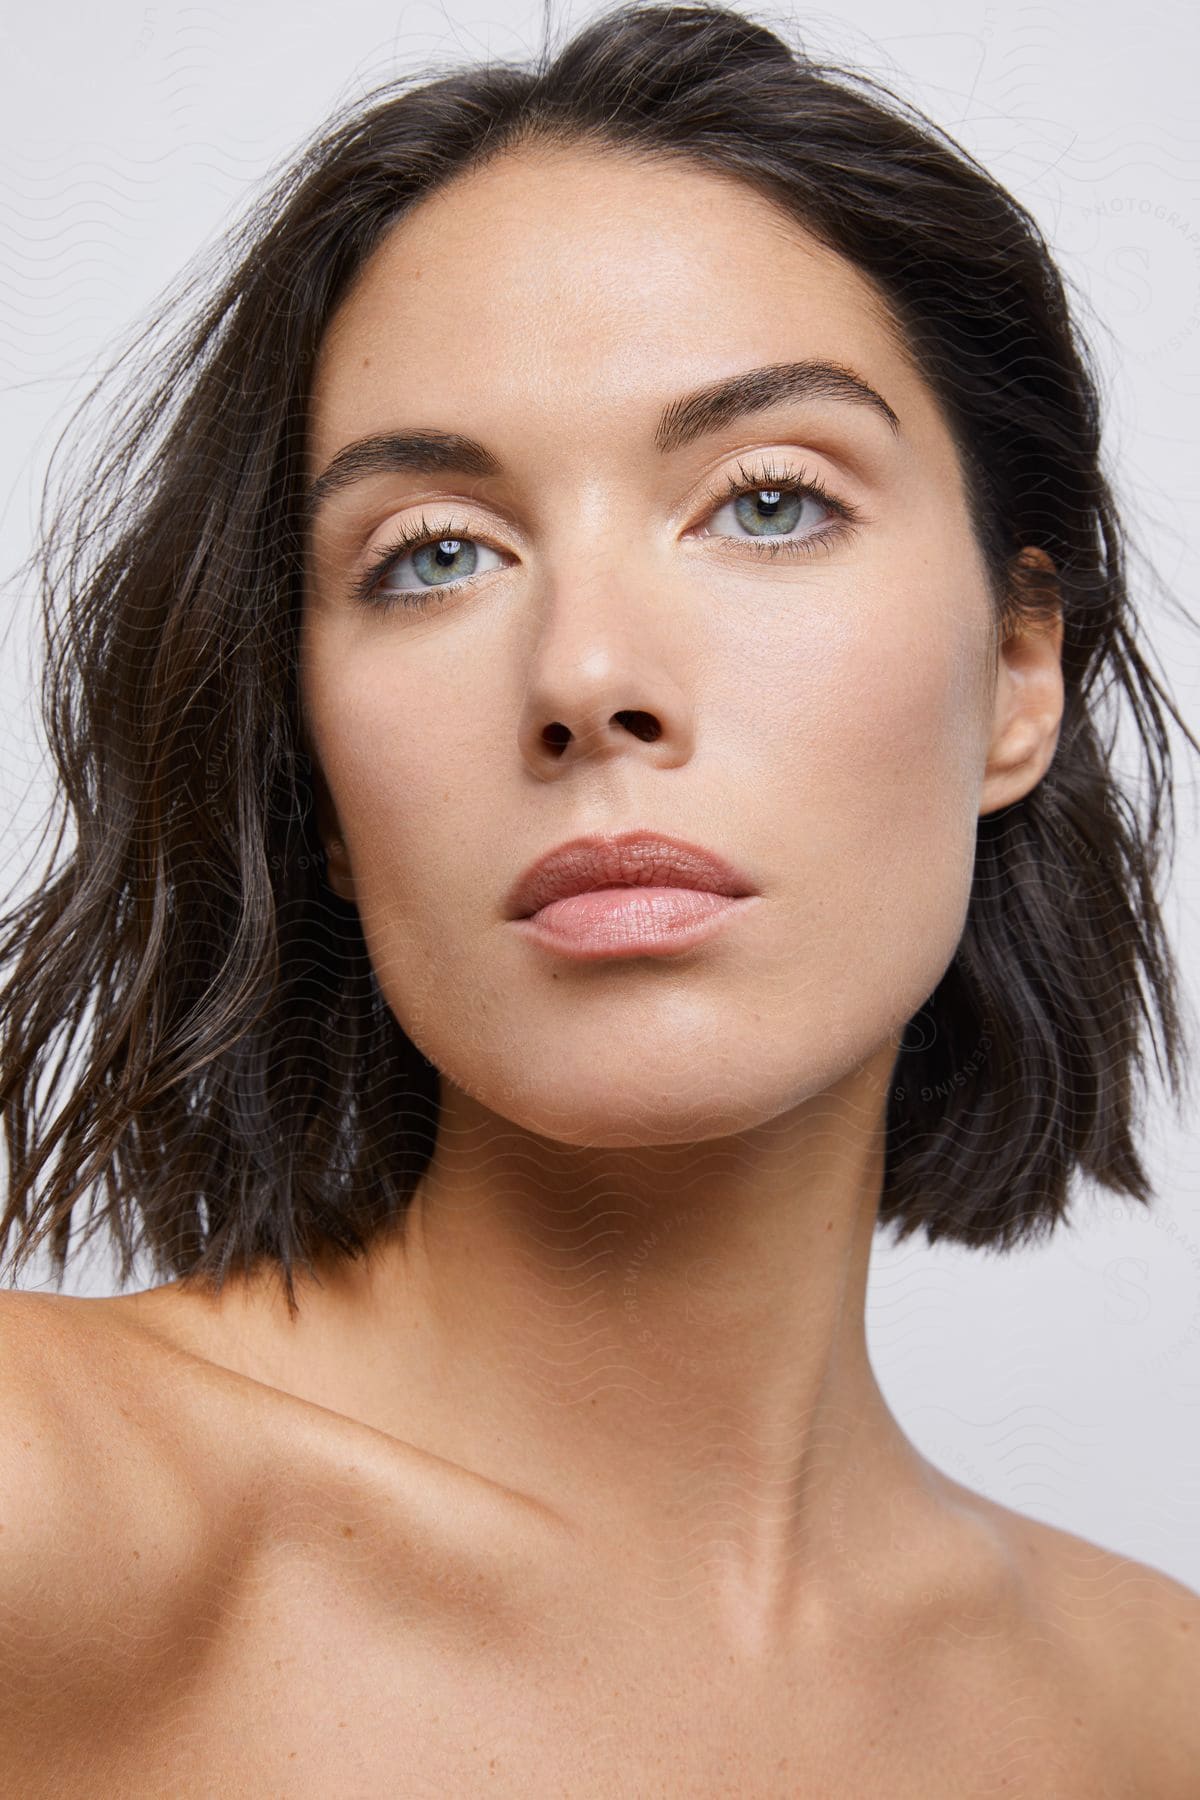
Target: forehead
x=575 y=285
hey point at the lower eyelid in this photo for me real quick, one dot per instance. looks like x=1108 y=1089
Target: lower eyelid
x=835 y=527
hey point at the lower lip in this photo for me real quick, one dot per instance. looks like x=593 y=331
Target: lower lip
x=631 y=921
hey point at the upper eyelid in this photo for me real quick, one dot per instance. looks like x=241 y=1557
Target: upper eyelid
x=722 y=490
x=711 y=498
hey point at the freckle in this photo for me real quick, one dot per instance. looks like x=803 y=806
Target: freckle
x=1184 y=1626
x=366 y=362
x=347 y=1531
x=829 y=1224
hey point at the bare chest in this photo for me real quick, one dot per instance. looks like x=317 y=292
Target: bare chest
x=346 y=1620
x=306 y=1687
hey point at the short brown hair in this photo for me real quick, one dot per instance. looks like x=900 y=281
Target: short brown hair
x=244 y=1091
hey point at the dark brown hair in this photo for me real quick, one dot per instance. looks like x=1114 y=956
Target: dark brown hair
x=243 y=1091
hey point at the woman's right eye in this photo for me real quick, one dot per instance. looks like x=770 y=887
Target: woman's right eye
x=439 y=559
x=443 y=559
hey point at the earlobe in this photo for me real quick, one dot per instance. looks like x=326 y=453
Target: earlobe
x=1029 y=695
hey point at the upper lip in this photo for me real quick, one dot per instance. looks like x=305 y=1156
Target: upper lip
x=623 y=859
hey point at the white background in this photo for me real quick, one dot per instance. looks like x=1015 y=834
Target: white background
x=1064 y=1382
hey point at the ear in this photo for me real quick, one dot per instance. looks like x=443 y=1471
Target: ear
x=1028 y=703
x=337 y=862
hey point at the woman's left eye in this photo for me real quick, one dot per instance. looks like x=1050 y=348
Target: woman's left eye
x=769 y=503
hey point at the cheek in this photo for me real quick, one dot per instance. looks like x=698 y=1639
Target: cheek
x=876 y=792
x=878 y=704
x=910 y=744
x=411 y=765
x=400 y=760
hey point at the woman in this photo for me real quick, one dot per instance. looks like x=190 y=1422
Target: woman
x=577 y=696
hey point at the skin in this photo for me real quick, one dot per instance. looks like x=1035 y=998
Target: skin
x=642 y=1245
x=628 y=1300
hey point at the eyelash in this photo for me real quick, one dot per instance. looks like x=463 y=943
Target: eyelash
x=758 y=478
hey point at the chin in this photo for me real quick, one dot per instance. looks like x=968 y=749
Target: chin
x=645 y=1105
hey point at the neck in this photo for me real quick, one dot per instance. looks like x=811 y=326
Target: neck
x=665 y=1346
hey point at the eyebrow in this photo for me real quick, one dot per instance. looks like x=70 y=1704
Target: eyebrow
x=691 y=416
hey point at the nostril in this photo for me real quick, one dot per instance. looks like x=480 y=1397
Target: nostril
x=642 y=725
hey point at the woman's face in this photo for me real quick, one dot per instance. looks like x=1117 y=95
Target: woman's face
x=823 y=714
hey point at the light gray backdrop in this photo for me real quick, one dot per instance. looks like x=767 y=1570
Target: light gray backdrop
x=1063 y=1382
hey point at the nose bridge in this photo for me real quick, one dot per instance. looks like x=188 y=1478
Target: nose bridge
x=601 y=566
x=603 y=660
x=602 y=490
x=585 y=483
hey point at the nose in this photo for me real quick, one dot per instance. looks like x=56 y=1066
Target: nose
x=642 y=725
x=590 y=730
x=607 y=670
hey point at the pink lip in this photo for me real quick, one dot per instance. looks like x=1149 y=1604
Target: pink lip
x=631 y=921
x=632 y=893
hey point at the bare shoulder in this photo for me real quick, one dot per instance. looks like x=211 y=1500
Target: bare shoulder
x=84 y=1471
x=1132 y=1632
x=198 y=1459
x=101 y=1575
